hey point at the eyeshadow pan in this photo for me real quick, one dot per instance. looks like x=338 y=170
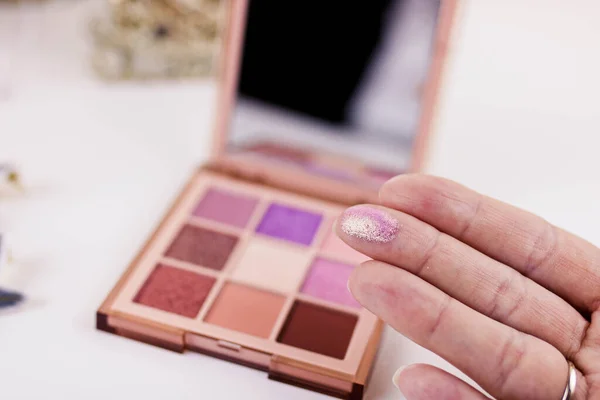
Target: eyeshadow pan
x=245 y=309
x=203 y=247
x=318 y=329
x=289 y=223
x=334 y=245
x=277 y=268
x=226 y=207
x=327 y=280
x=175 y=290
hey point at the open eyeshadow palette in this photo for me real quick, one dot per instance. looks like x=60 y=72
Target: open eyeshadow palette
x=245 y=266
x=259 y=271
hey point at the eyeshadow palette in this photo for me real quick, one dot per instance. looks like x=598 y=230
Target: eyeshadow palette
x=253 y=274
x=245 y=266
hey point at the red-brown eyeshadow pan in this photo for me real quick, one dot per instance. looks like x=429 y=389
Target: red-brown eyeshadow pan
x=175 y=290
x=318 y=329
x=203 y=247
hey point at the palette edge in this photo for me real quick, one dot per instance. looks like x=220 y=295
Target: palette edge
x=103 y=312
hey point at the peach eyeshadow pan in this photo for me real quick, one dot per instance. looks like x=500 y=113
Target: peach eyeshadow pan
x=246 y=309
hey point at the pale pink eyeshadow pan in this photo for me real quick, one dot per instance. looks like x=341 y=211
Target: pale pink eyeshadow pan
x=327 y=280
x=334 y=245
x=226 y=207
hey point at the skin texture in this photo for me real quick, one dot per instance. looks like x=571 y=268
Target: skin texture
x=500 y=293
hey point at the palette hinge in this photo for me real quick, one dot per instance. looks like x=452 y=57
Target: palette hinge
x=232 y=172
x=243 y=176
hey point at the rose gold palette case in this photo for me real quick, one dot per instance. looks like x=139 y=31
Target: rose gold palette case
x=245 y=265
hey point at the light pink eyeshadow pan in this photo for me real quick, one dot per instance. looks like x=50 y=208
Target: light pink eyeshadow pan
x=334 y=245
x=226 y=207
x=327 y=280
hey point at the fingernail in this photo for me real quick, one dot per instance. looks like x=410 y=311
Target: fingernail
x=369 y=224
x=396 y=379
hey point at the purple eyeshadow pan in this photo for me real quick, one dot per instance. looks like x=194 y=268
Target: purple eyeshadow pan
x=289 y=223
x=226 y=207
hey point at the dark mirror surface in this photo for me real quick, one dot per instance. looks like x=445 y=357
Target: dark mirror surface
x=340 y=77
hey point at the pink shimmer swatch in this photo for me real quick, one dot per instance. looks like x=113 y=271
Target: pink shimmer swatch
x=370 y=224
x=327 y=280
x=334 y=245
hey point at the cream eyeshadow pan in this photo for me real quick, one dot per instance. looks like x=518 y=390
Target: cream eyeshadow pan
x=254 y=266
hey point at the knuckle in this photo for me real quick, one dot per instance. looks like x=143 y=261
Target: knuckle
x=469 y=221
x=442 y=314
x=509 y=360
x=577 y=337
x=428 y=254
x=509 y=296
x=543 y=249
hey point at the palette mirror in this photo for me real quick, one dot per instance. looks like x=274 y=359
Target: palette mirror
x=318 y=79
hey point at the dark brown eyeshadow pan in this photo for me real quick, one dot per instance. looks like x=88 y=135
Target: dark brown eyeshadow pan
x=203 y=247
x=175 y=290
x=318 y=329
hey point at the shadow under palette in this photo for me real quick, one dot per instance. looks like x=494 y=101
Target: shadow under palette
x=253 y=275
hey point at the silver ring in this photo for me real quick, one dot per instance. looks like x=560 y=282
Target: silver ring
x=571 y=382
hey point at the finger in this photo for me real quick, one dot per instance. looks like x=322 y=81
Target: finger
x=556 y=259
x=462 y=272
x=426 y=382
x=506 y=363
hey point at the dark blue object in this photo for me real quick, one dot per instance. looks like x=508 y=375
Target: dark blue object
x=9 y=299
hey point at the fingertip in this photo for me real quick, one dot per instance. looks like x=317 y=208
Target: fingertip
x=397 y=376
x=405 y=188
x=353 y=282
x=367 y=224
x=393 y=184
x=336 y=227
x=426 y=382
x=361 y=275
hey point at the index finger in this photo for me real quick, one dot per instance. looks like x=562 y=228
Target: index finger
x=558 y=260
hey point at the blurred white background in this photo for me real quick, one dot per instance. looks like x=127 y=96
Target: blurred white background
x=519 y=120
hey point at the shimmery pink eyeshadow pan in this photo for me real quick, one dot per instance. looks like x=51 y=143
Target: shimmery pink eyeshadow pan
x=327 y=280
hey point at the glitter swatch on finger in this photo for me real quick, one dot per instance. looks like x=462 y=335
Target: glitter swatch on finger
x=369 y=224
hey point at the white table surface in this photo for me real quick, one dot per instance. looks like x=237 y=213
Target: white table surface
x=520 y=121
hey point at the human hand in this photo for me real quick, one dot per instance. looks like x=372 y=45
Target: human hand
x=503 y=295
